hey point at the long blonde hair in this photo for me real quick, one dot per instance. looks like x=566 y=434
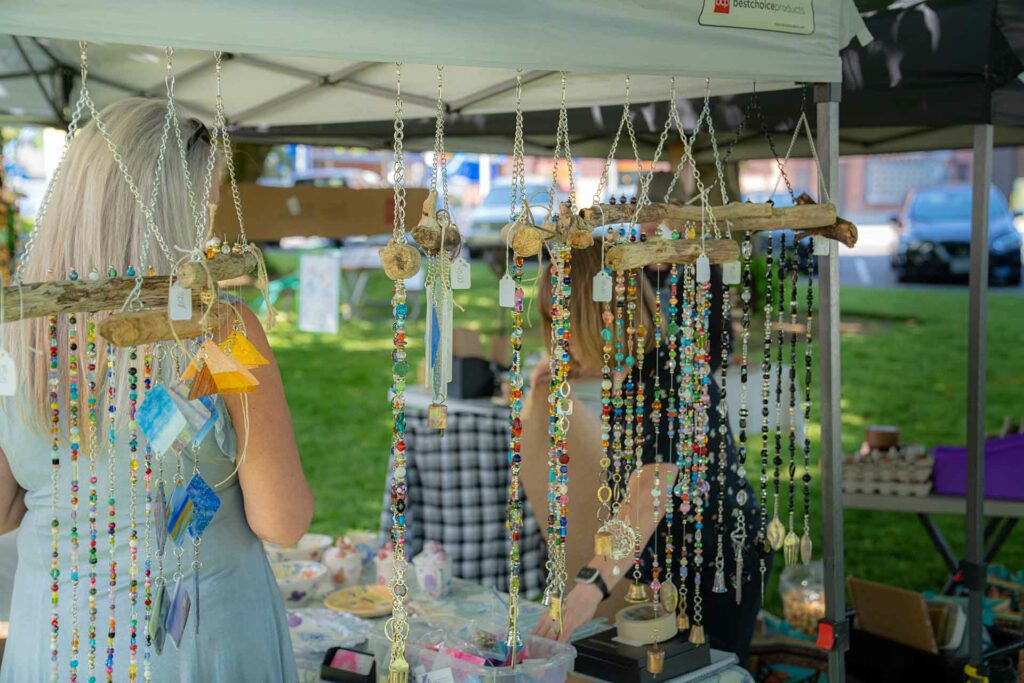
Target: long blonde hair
x=93 y=222
x=585 y=314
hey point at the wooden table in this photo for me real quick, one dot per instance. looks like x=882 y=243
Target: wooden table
x=1003 y=517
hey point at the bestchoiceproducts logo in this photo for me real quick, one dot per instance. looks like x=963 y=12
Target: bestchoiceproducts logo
x=763 y=5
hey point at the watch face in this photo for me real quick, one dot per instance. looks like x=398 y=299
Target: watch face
x=587 y=575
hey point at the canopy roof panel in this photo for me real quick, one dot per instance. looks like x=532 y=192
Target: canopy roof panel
x=304 y=62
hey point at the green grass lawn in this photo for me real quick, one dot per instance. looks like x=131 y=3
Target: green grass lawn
x=903 y=363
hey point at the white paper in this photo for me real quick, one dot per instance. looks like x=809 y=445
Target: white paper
x=506 y=291
x=602 y=287
x=319 y=293
x=460 y=274
x=439 y=676
x=179 y=303
x=783 y=16
x=822 y=246
x=703 y=268
x=8 y=374
x=731 y=273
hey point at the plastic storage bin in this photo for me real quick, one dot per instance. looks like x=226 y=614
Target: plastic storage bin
x=547 y=661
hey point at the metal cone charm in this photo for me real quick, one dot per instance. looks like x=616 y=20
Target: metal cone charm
x=718 y=586
x=655 y=660
x=398 y=671
x=697 y=635
x=805 y=547
x=636 y=594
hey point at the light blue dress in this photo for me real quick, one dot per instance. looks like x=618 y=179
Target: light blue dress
x=243 y=630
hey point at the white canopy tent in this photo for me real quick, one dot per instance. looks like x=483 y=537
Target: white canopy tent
x=305 y=62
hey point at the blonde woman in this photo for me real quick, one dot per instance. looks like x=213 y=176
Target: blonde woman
x=600 y=583
x=94 y=223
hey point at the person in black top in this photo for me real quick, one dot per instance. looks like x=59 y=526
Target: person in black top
x=728 y=626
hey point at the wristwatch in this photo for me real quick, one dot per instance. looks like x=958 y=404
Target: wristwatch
x=589 y=575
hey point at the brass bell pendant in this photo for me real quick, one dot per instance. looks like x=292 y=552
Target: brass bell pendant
x=555 y=608
x=637 y=594
x=655 y=660
x=697 y=635
x=437 y=416
x=682 y=621
x=603 y=543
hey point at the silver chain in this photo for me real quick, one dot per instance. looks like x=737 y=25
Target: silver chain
x=518 y=153
x=562 y=149
x=623 y=121
x=220 y=123
x=398 y=227
x=643 y=188
x=440 y=158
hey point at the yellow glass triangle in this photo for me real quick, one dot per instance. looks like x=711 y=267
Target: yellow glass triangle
x=243 y=350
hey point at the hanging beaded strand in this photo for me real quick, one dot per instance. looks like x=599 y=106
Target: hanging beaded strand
x=397 y=627
x=684 y=446
x=776 y=529
x=656 y=323
x=55 y=447
x=514 y=514
x=791 y=544
x=133 y=527
x=670 y=597
x=111 y=502
x=763 y=542
x=74 y=438
x=636 y=343
x=93 y=447
x=739 y=533
x=806 y=549
x=147 y=476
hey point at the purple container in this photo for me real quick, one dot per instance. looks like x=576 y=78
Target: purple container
x=1004 y=469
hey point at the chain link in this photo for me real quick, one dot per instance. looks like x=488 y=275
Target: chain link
x=220 y=122
x=562 y=150
x=518 y=194
x=398 y=227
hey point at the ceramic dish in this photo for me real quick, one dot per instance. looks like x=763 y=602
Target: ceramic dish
x=310 y=547
x=297 y=581
x=361 y=601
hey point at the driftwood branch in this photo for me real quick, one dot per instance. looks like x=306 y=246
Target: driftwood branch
x=83 y=296
x=151 y=326
x=220 y=267
x=639 y=254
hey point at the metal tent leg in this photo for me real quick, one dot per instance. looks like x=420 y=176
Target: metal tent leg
x=827 y=98
x=973 y=565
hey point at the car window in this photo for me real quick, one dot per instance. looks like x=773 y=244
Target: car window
x=951 y=203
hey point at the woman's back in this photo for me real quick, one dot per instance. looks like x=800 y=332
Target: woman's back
x=237 y=591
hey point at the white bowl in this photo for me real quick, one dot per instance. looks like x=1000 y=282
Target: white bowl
x=344 y=570
x=298 y=580
x=310 y=547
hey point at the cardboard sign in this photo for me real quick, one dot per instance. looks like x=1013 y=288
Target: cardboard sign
x=783 y=16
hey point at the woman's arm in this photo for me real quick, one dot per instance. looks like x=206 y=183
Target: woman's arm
x=12 y=498
x=278 y=502
x=583 y=599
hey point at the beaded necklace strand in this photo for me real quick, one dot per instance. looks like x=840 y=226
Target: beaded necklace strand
x=776 y=530
x=684 y=448
x=791 y=544
x=739 y=533
x=91 y=399
x=701 y=486
x=111 y=505
x=75 y=445
x=670 y=594
x=764 y=544
x=147 y=476
x=133 y=526
x=55 y=434
x=806 y=549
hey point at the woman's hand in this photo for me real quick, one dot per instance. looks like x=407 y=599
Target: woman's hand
x=579 y=608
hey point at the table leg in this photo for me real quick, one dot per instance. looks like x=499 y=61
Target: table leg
x=942 y=546
x=999 y=538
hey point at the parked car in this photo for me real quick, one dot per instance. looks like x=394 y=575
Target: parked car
x=487 y=220
x=934 y=228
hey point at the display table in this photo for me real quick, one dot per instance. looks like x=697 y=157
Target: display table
x=1003 y=517
x=314 y=629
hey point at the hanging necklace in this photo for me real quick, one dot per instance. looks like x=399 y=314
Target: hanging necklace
x=739 y=533
x=147 y=655
x=91 y=399
x=684 y=448
x=513 y=641
x=133 y=531
x=766 y=379
x=776 y=529
x=75 y=445
x=805 y=539
x=55 y=434
x=669 y=594
x=401 y=260
x=111 y=504
x=791 y=544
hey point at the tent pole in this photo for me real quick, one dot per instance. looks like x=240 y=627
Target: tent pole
x=973 y=565
x=835 y=626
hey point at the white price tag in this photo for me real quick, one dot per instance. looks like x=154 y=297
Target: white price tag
x=460 y=273
x=179 y=303
x=703 y=268
x=439 y=676
x=506 y=291
x=8 y=374
x=731 y=273
x=602 y=286
x=822 y=246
